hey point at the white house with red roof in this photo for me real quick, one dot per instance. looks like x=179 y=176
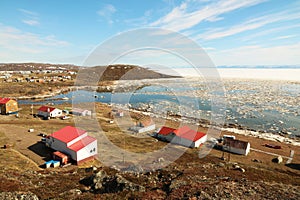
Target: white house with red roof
x=74 y=142
x=183 y=136
x=47 y=111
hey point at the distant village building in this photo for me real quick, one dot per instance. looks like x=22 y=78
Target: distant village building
x=73 y=142
x=142 y=126
x=183 y=136
x=8 y=106
x=46 y=111
x=81 y=112
x=236 y=146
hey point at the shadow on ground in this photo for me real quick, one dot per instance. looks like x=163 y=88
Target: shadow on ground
x=293 y=166
x=40 y=149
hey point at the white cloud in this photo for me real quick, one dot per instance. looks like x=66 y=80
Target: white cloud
x=31 y=18
x=107 y=12
x=28 y=12
x=140 y=21
x=180 y=18
x=15 y=39
x=251 y=24
x=31 y=22
x=284 y=37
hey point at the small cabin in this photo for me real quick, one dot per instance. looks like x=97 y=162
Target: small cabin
x=236 y=146
x=8 y=106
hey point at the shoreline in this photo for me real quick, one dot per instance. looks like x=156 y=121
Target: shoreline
x=236 y=130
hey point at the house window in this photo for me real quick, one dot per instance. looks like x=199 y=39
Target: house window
x=94 y=149
x=91 y=151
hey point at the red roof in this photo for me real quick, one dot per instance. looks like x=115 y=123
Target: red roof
x=82 y=143
x=46 y=109
x=182 y=130
x=4 y=100
x=67 y=134
x=189 y=134
x=193 y=135
x=166 y=130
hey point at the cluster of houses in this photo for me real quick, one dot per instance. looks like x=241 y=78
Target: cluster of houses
x=30 y=75
x=71 y=143
x=35 y=79
x=10 y=106
x=48 y=112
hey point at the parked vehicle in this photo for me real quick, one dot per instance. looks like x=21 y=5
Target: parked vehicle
x=64 y=117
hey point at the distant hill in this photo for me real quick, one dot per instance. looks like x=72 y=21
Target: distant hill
x=107 y=73
x=123 y=72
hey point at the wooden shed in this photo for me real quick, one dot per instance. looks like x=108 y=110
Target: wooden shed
x=8 y=106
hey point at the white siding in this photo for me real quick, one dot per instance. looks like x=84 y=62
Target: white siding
x=55 y=113
x=237 y=150
x=88 y=151
x=182 y=141
x=201 y=141
x=147 y=128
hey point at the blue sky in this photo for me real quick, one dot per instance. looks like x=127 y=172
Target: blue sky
x=232 y=32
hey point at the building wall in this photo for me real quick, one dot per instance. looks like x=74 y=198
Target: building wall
x=60 y=146
x=147 y=128
x=201 y=141
x=43 y=114
x=10 y=107
x=237 y=150
x=56 y=113
x=88 y=151
x=183 y=142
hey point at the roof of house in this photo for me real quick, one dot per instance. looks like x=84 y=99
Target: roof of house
x=67 y=134
x=189 y=134
x=4 y=100
x=193 y=135
x=182 y=130
x=236 y=143
x=82 y=143
x=46 y=109
x=166 y=130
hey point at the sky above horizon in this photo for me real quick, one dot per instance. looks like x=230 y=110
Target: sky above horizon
x=232 y=32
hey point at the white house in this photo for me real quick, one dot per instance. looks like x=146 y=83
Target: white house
x=46 y=111
x=74 y=142
x=143 y=126
x=183 y=136
x=236 y=146
x=81 y=112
